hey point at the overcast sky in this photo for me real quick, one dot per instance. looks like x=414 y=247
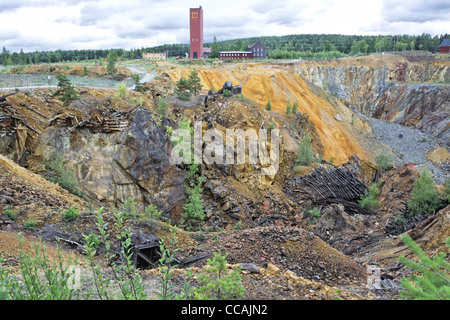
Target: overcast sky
x=103 y=24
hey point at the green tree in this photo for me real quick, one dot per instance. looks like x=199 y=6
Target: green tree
x=216 y=283
x=425 y=198
x=163 y=110
x=268 y=106
x=22 y=58
x=195 y=84
x=295 y=108
x=193 y=215
x=36 y=58
x=288 y=109
x=183 y=89
x=215 y=49
x=305 y=155
x=431 y=278
x=112 y=59
x=66 y=90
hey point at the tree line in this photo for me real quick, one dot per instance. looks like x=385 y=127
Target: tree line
x=278 y=47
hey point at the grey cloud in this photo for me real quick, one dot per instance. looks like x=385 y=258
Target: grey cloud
x=415 y=11
x=8 y=34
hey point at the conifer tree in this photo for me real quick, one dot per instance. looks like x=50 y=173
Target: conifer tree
x=268 y=106
x=195 y=84
x=295 y=108
x=431 y=278
x=288 y=108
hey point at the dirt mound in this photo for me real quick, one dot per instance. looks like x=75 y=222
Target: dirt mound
x=288 y=248
x=262 y=84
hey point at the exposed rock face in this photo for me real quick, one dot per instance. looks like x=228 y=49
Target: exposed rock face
x=114 y=166
x=372 y=91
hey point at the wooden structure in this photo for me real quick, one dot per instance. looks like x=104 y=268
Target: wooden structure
x=146 y=252
x=325 y=187
x=155 y=56
x=235 y=55
x=445 y=46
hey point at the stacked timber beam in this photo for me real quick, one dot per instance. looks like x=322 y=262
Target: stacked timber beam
x=332 y=186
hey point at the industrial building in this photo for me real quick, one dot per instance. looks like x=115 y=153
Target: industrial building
x=235 y=55
x=445 y=46
x=196 y=27
x=155 y=56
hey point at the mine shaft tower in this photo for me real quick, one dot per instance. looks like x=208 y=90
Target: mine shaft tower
x=196 y=27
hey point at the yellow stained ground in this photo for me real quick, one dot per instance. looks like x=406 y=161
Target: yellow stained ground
x=262 y=83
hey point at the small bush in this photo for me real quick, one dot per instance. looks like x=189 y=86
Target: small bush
x=268 y=106
x=305 y=155
x=227 y=93
x=129 y=209
x=216 y=283
x=30 y=225
x=368 y=200
x=64 y=177
x=122 y=91
x=71 y=214
x=384 y=161
x=314 y=215
x=424 y=197
x=10 y=212
x=193 y=215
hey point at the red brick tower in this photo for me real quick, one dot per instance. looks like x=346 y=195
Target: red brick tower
x=196 y=40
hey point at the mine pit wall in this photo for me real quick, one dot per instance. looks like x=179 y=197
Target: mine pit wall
x=375 y=92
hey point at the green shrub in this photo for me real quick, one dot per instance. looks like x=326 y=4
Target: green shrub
x=64 y=177
x=30 y=224
x=424 y=197
x=10 y=212
x=384 y=161
x=129 y=209
x=305 y=155
x=40 y=278
x=288 y=109
x=71 y=214
x=431 y=278
x=122 y=91
x=399 y=220
x=216 y=283
x=295 y=108
x=314 y=215
x=193 y=215
x=227 y=93
x=268 y=106
x=368 y=200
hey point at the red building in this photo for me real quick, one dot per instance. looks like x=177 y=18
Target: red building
x=196 y=26
x=445 y=46
x=235 y=55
